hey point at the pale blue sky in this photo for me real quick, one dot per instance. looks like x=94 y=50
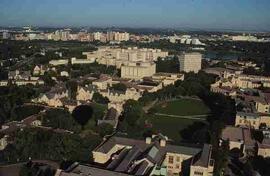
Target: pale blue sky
x=205 y=14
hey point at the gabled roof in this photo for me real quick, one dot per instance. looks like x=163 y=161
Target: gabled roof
x=204 y=157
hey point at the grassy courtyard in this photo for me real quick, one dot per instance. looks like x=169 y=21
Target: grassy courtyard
x=171 y=126
x=183 y=107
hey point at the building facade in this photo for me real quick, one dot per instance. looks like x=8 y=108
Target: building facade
x=190 y=62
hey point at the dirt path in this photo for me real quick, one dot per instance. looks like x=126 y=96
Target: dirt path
x=191 y=117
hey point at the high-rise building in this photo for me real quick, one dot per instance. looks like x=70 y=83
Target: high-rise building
x=190 y=62
x=97 y=35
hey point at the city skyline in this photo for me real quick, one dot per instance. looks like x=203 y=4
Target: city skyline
x=196 y=14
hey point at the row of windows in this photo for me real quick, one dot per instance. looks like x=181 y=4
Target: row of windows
x=245 y=121
x=197 y=173
x=171 y=159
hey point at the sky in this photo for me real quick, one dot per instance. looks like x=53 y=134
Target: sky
x=197 y=14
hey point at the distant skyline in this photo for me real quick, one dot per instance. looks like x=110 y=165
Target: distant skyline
x=197 y=14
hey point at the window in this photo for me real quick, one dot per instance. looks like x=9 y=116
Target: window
x=170 y=159
x=177 y=166
x=178 y=159
x=198 y=173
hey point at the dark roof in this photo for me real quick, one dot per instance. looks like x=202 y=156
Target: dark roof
x=146 y=155
x=132 y=154
x=81 y=170
x=204 y=156
x=107 y=145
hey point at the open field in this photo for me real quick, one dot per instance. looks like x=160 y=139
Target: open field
x=183 y=107
x=169 y=126
x=174 y=116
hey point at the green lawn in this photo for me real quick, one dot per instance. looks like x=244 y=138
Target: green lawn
x=169 y=126
x=183 y=107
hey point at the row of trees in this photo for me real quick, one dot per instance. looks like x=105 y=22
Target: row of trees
x=13 y=96
x=83 y=118
x=46 y=145
x=94 y=68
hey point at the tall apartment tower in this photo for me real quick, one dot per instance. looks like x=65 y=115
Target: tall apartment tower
x=190 y=62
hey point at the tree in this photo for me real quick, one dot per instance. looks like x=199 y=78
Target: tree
x=47 y=78
x=82 y=114
x=196 y=133
x=60 y=118
x=49 y=145
x=119 y=87
x=169 y=65
x=21 y=112
x=72 y=86
x=98 y=98
x=132 y=112
x=104 y=129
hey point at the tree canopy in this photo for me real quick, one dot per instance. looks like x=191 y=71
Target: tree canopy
x=98 y=98
x=82 y=114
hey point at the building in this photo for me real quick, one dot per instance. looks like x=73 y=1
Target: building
x=239 y=138
x=138 y=70
x=264 y=148
x=82 y=61
x=248 y=38
x=97 y=36
x=103 y=82
x=121 y=96
x=86 y=93
x=115 y=56
x=190 y=62
x=203 y=164
x=252 y=120
x=149 y=157
x=54 y=96
x=39 y=70
x=84 y=170
x=59 y=62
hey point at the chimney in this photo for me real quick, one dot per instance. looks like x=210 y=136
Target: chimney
x=148 y=140
x=162 y=142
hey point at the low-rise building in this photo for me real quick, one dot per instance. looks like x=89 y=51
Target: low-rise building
x=203 y=164
x=82 y=61
x=239 y=138
x=264 y=148
x=103 y=82
x=58 y=62
x=85 y=93
x=85 y=170
x=121 y=96
x=54 y=96
x=137 y=157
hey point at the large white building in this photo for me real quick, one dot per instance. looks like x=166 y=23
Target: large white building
x=118 y=56
x=138 y=70
x=190 y=62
